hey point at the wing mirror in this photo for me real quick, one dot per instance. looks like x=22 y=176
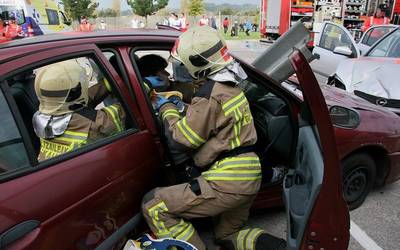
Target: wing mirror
x=344 y=117
x=343 y=50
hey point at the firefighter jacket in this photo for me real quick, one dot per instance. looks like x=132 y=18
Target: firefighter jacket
x=218 y=120
x=85 y=126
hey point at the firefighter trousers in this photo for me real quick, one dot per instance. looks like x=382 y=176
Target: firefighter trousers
x=167 y=210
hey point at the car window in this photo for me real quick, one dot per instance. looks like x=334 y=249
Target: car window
x=366 y=36
x=333 y=36
x=52 y=16
x=376 y=34
x=12 y=150
x=68 y=105
x=388 y=47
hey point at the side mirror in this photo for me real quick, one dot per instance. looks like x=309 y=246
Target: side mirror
x=344 y=117
x=343 y=50
x=67 y=22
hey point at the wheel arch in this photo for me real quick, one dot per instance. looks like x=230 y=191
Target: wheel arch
x=381 y=159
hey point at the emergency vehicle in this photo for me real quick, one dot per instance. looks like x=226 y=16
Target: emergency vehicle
x=35 y=17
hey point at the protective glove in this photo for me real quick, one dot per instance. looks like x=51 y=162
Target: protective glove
x=160 y=101
x=178 y=102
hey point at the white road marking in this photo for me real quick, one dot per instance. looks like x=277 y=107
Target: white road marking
x=361 y=237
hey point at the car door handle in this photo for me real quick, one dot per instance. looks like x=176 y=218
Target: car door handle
x=317 y=56
x=295 y=178
x=19 y=231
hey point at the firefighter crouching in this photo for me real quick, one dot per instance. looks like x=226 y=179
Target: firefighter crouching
x=218 y=129
x=66 y=119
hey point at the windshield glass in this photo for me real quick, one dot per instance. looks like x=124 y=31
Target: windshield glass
x=10 y=12
x=388 y=47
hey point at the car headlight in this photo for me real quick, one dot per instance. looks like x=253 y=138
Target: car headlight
x=334 y=80
x=344 y=117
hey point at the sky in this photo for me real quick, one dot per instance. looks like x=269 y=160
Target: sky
x=174 y=4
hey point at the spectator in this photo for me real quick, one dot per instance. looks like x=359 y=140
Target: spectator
x=174 y=21
x=225 y=24
x=378 y=18
x=13 y=30
x=183 y=22
x=203 y=21
x=103 y=24
x=213 y=22
x=248 y=27
x=241 y=27
x=85 y=25
x=134 y=23
x=2 y=36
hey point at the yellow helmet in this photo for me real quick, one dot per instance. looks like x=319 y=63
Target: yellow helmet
x=61 y=88
x=202 y=51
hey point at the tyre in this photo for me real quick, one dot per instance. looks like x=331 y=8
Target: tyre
x=359 y=173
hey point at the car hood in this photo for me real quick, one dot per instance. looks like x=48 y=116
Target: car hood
x=374 y=76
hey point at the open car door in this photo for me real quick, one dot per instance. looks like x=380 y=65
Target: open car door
x=335 y=44
x=317 y=214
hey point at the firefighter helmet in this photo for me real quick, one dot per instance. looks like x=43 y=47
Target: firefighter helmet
x=61 y=88
x=202 y=51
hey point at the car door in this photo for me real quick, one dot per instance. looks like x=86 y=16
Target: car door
x=77 y=200
x=372 y=35
x=317 y=215
x=334 y=45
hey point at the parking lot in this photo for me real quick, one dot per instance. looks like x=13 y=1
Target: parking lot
x=375 y=225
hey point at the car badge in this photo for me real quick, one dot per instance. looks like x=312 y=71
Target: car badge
x=381 y=102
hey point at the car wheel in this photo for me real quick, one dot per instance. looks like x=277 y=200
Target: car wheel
x=358 y=178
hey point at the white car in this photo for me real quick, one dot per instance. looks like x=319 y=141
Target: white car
x=335 y=44
x=373 y=76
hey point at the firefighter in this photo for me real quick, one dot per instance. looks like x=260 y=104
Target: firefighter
x=66 y=119
x=13 y=30
x=218 y=131
x=379 y=18
x=2 y=29
x=85 y=25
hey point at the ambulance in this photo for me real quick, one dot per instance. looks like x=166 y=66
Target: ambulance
x=35 y=17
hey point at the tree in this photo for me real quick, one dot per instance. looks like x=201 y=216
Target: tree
x=196 y=7
x=227 y=12
x=76 y=8
x=107 y=13
x=146 y=8
x=184 y=6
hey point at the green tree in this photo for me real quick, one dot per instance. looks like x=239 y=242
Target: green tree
x=107 y=13
x=146 y=8
x=76 y=8
x=196 y=7
x=227 y=12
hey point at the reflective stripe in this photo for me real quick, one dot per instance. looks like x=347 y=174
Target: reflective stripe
x=251 y=238
x=234 y=103
x=236 y=175
x=235 y=141
x=113 y=111
x=146 y=87
x=186 y=231
x=108 y=86
x=236 y=162
x=170 y=112
x=162 y=231
x=240 y=242
x=189 y=134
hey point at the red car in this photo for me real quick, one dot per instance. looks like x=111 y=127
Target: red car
x=91 y=196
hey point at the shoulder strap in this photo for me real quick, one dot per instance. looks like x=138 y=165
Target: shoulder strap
x=88 y=113
x=205 y=90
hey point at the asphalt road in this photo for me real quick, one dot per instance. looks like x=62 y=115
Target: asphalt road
x=375 y=225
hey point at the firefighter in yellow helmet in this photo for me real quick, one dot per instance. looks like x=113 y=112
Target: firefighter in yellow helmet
x=218 y=132
x=66 y=119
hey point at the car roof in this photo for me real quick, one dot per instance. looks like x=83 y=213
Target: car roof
x=74 y=35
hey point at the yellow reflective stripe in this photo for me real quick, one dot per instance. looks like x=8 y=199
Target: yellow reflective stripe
x=178 y=228
x=146 y=87
x=236 y=162
x=120 y=125
x=68 y=132
x=108 y=86
x=251 y=237
x=154 y=211
x=72 y=140
x=187 y=233
x=234 y=103
x=240 y=243
x=113 y=111
x=189 y=134
x=170 y=112
x=233 y=175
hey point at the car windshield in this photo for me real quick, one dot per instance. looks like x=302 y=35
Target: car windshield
x=9 y=12
x=388 y=47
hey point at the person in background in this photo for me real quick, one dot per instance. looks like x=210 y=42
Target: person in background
x=85 y=25
x=213 y=22
x=203 y=21
x=2 y=35
x=378 y=18
x=174 y=21
x=103 y=24
x=134 y=23
x=225 y=24
x=13 y=30
x=183 y=22
x=248 y=27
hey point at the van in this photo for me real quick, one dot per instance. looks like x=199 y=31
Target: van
x=35 y=17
